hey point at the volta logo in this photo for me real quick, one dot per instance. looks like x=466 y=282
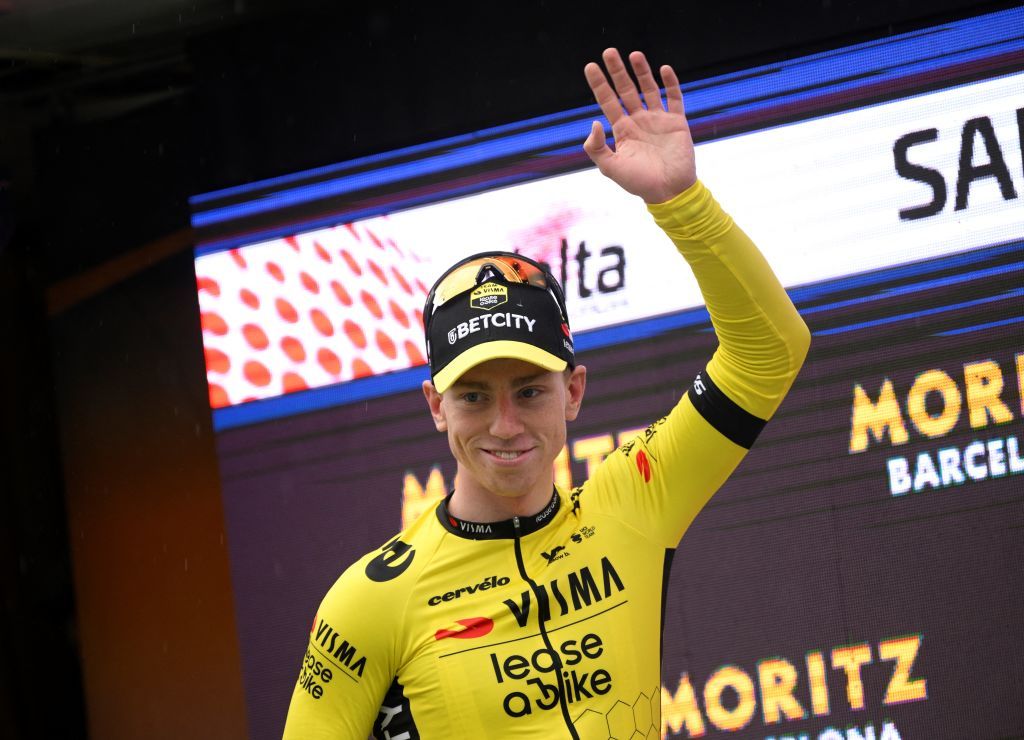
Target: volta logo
x=467 y=629
x=394 y=560
x=643 y=465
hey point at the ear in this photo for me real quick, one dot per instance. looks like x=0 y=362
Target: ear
x=436 y=409
x=575 y=386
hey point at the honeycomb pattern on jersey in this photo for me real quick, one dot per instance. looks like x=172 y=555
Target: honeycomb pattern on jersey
x=639 y=720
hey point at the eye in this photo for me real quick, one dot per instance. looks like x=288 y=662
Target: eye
x=530 y=392
x=471 y=397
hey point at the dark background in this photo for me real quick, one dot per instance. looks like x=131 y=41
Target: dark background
x=117 y=615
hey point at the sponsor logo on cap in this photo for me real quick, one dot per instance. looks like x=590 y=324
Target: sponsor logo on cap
x=498 y=321
x=488 y=296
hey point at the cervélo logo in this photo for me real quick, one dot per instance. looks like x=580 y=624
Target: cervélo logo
x=484 y=585
x=394 y=559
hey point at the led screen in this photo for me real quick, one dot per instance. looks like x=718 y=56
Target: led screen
x=862 y=574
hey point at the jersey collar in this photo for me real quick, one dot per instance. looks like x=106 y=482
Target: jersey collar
x=497 y=530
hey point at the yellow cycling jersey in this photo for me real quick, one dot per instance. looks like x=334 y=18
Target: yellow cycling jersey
x=550 y=626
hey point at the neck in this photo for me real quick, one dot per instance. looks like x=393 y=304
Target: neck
x=476 y=504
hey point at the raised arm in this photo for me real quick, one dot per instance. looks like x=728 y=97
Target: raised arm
x=763 y=340
x=681 y=460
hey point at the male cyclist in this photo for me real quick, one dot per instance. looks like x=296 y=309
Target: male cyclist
x=516 y=609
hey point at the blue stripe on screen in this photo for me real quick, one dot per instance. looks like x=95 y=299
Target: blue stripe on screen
x=742 y=92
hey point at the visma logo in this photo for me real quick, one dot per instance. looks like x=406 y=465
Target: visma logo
x=574 y=592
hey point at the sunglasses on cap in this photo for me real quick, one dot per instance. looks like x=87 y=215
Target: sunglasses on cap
x=477 y=269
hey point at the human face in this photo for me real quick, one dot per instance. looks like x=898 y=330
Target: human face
x=505 y=421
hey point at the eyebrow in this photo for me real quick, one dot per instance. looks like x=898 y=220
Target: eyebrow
x=483 y=385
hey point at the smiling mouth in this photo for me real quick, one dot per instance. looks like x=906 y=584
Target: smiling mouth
x=507 y=454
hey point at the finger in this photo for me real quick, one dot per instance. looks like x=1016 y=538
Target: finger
x=596 y=145
x=648 y=86
x=603 y=93
x=622 y=81
x=673 y=94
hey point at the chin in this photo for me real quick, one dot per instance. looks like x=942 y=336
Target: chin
x=510 y=489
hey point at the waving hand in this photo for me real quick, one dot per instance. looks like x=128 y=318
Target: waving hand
x=653 y=155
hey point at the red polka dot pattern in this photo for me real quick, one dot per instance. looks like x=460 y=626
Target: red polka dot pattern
x=321 y=322
x=414 y=354
x=286 y=310
x=329 y=361
x=218 y=397
x=309 y=283
x=292 y=382
x=213 y=323
x=352 y=264
x=386 y=346
x=342 y=295
x=399 y=314
x=378 y=273
x=255 y=336
x=371 y=305
x=256 y=373
x=401 y=281
x=249 y=298
x=294 y=349
x=309 y=310
x=355 y=334
x=216 y=361
x=209 y=285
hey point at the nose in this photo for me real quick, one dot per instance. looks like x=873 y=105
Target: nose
x=506 y=423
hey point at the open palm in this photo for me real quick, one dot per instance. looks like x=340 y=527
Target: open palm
x=653 y=154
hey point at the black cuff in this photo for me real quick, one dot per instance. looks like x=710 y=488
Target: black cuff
x=735 y=423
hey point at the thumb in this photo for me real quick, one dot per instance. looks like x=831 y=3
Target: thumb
x=595 y=146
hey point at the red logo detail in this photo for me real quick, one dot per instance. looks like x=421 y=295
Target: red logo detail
x=472 y=627
x=565 y=330
x=452 y=520
x=643 y=465
x=313 y=626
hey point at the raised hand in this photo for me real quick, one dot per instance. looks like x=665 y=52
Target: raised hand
x=653 y=155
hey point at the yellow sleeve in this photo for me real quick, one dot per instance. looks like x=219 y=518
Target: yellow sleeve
x=762 y=339
x=658 y=482
x=350 y=661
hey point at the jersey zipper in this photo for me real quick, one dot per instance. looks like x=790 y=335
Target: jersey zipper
x=542 y=607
